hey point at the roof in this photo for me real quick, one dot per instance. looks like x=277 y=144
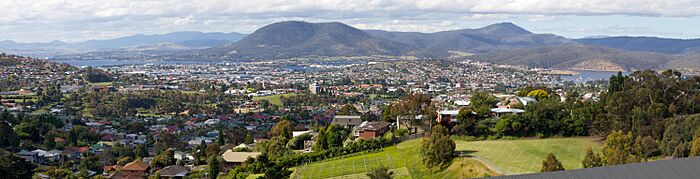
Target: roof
x=526 y=100
x=449 y=112
x=675 y=168
x=136 y=165
x=238 y=157
x=347 y=120
x=372 y=126
x=174 y=171
x=506 y=110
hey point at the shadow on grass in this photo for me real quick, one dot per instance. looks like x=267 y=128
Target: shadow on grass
x=464 y=153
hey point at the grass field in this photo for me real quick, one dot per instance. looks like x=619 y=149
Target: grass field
x=274 y=99
x=102 y=83
x=525 y=156
x=404 y=160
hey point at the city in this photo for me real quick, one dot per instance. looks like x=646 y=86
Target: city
x=308 y=96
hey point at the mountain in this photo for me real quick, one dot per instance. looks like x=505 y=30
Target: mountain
x=188 y=39
x=183 y=40
x=648 y=44
x=296 y=39
x=579 y=57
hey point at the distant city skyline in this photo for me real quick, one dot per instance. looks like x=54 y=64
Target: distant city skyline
x=80 y=20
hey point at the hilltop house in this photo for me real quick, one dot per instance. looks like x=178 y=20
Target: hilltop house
x=237 y=158
x=369 y=130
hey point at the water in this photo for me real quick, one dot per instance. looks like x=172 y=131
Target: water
x=102 y=63
x=586 y=76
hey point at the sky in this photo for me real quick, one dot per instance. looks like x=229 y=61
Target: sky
x=79 y=20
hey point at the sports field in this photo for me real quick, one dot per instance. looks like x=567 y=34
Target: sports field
x=274 y=99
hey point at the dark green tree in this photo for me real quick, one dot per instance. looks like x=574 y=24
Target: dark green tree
x=591 y=159
x=438 y=149
x=551 y=164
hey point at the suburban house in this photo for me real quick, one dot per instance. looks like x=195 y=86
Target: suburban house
x=347 y=121
x=136 y=168
x=174 y=171
x=31 y=156
x=237 y=158
x=447 y=116
x=369 y=130
x=503 y=111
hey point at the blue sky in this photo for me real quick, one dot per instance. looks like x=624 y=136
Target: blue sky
x=78 y=20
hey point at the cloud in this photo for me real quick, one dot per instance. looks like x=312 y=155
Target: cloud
x=107 y=18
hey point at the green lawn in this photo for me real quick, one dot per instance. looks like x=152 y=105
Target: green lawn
x=404 y=160
x=274 y=99
x=102 y=84
x=525 y=156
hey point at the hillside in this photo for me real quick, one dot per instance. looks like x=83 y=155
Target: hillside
x=157 y=42
x=648 y=44
x=579 y=57
x=299 y=39
x=499 y=36
x=296 y=39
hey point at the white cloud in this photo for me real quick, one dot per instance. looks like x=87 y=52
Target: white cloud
x=107 y=18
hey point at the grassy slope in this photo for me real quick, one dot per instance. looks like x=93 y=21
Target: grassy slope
x=274 y=99
x=525 y=156
x=403 y=159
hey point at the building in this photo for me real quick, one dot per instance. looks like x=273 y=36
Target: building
x=314 y=88
x=137 y=168
x=369 y=130
x=237 y=158
x=347 y=121
x=502 y=111
x=447 y=116
x=174 y=171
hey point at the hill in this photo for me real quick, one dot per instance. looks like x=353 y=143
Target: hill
x=299 y=39
x=499 y=36
x=296 y=39
x=648 y=44
x=579 y=57
x=158 y=42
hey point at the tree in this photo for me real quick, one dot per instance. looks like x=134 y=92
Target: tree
x=220 y=138
x=380 y=172
x=538 y=94
x=278 y=148
x=124 y=160
x=439 y=149
x=277 y=171
x=236 y=173
x=164 y=159
x=248 y=138
x=348 y=109
x=482 y=102
x=282 y=129
x=618 y=149
x=12 y=166
x=695 y=144
x=591 y=159
x=551 y=164
x=8 y=137
x=214 y=167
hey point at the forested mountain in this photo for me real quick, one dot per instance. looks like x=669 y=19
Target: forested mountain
x=649 y=44
x=579 y=57
x=296 y=39
x=499 y=36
